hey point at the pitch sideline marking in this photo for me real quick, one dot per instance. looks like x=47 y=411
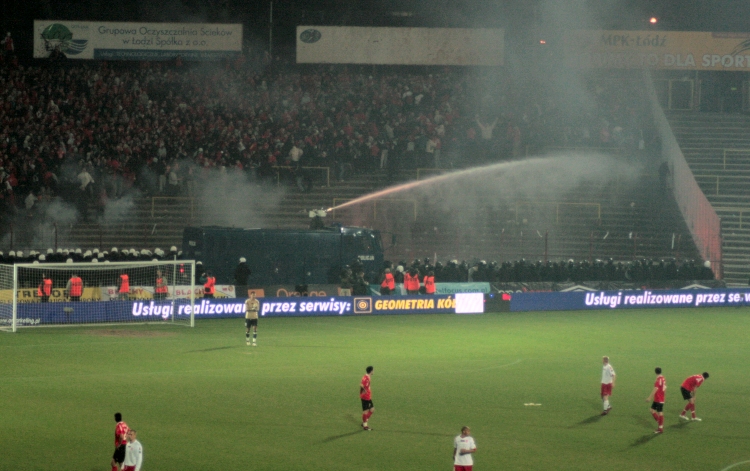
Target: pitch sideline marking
x=735 y=464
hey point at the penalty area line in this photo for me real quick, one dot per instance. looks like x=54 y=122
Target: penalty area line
x=735 y=465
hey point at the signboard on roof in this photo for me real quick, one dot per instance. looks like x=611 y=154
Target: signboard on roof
x=137 y=41
x=399 y=46
x=684 y=50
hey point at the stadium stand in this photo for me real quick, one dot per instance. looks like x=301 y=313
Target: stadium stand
x=147 y=134
x=717 y=148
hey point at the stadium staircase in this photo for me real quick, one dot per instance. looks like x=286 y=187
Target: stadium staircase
x=585 y=224
x=717 y=149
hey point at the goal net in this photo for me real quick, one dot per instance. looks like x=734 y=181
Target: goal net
x=97 y=293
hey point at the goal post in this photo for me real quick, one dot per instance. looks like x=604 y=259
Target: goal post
x=97 y=293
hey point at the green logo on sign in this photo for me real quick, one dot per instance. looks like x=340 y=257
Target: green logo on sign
x=59 y=36
x=310 y=36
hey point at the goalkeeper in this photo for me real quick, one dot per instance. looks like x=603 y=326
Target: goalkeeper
x=252 y=306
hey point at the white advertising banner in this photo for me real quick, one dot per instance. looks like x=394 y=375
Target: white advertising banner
x=137 y=41
x=399 y=46
x=687 y=50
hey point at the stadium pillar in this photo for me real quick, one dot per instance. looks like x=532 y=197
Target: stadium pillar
x=270 y=31
x=546 y=246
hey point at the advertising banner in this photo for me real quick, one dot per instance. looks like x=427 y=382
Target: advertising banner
x=137 y=41
x=281 y=291
x=400 y=46
x=657 y=50
x=29 y=295
x=618 y=300
x=154 y=311
x=109 y=293
x=541 y=286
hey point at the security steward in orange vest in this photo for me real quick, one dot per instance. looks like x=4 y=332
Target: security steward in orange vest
x=75 y=288
x=123 y=292
x=388 y=283
x=45 y=289
x=161 y=289
x=411 y=281
x=429 y=283
x=209 y=287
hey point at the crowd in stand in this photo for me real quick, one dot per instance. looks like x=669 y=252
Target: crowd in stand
x=91 y=131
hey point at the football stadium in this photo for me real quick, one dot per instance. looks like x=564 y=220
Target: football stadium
x=374 y=235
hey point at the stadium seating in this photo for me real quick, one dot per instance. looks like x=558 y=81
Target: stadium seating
x=717 y=148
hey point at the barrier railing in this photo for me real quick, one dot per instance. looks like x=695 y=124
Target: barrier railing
x=430 y=172
x=176 y=199
x=716 y=180
x=542 y=245
x=725 y=152
x=559 y=204
x=340 y=201
x=729 y=210
x=326 y=170
x=602 y=150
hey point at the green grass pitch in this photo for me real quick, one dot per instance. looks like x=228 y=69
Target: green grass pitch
x=202 y=400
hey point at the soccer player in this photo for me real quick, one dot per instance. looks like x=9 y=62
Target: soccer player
x=608 y=382
x=463 y=447
x=657 y=400
x=366 y=395
x=133 y=453
x=252 y=306
x=121 y=432
x=688 y=393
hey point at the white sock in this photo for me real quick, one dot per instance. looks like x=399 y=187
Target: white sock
x=606 y=404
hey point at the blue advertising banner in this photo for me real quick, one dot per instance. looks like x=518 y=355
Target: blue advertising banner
x=151 y=311
x=617 y=300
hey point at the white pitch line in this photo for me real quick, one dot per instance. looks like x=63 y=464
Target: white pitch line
x=735 y=464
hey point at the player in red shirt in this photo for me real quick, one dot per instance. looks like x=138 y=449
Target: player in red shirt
x=121 y=432
x=657 y=400
x=688 y=393
x=366 y=395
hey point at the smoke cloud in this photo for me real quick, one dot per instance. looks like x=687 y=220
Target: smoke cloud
x=229 y=198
